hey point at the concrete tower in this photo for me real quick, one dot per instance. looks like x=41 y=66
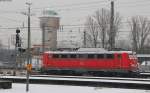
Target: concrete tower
x=49 y=23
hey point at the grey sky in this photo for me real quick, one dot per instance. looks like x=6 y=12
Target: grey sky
x=70 y=12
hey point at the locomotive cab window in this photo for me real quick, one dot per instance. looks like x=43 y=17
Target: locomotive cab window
x=119 y=56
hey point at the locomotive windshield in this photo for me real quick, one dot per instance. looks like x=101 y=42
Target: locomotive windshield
x=132 y=56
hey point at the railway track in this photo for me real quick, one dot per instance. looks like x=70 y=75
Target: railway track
x=141 y=75
x=92 y=77
x=134 y=83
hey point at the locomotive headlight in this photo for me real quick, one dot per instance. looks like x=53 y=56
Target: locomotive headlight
x=133 y=65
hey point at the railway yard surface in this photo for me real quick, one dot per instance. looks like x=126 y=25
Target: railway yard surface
x=42 y=88
x=96 y=83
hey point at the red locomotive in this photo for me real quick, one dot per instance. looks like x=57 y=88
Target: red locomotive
x=89 y=61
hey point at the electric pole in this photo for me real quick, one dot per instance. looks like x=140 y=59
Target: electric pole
x=43 y=37
x=84 y=41
x=28 y=49
x=111 y=38
x=103 y=30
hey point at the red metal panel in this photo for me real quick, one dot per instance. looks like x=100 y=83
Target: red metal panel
x=125 y=62
x=45 y=60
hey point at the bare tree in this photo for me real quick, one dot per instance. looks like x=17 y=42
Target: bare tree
x=101 y=23
x=92 y=32
x=117 y=25
x=140 y=29
x=123 y=44
x=102 y=20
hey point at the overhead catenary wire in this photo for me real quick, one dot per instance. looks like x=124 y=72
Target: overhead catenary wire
x=71 y=27
x=133 y=4
x=87 y=3
x=87 y=6
x=80 y=9
x=64 y=25
x=75 y=5
x=72 y=6
x=90 y=3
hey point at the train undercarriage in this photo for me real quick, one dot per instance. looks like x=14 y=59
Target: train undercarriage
x=95 y=72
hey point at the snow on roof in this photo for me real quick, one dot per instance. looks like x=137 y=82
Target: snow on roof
x=82 y=50
x=129 y=52
x=89 y=51
x=92 y=50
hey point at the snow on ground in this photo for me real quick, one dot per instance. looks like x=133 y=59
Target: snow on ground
x=37 y=88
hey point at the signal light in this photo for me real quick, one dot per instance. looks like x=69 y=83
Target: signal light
x=22 y=50
x=18 y=31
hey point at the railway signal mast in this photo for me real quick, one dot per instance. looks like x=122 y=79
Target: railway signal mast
x=17 y=46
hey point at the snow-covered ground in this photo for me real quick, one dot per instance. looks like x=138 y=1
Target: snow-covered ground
x=36 y=88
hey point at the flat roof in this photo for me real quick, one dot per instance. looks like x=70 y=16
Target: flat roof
x=88 y=52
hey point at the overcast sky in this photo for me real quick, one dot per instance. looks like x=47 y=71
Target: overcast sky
x=70 y=12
